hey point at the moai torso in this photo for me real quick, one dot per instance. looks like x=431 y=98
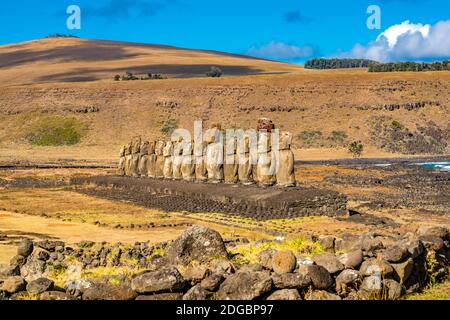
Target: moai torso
x=285 y=164
x=151 y=163
x=188 y=165
x=128 y=159
x=121 y=166
x=266 y=166
x=214 y=157
x=159 y=162
x=168 y=160
x=245 y=173
x=201 y=174
x=135 y=157
x=177 y=159
x=230 y=166
x=143 y=160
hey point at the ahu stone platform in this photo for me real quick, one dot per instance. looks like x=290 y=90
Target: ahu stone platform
x=247 y=201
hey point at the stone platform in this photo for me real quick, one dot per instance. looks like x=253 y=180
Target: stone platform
x=247 y=201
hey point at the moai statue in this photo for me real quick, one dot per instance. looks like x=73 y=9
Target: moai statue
x=121 y=166
x=201 y=174
x=230 y=166
x=177 y=158
x=135 y=157
x=285 y=164
x=214 y=155
x=159 y=161
x=188 y=165
x=151 y=163
x=128 y=158
x=266 y=166
x=168 y=160
x=143 y=161
x=245 y=173
x=265 y=125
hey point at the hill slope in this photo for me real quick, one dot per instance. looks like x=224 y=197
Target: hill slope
x=392 y=113
x=75 y=60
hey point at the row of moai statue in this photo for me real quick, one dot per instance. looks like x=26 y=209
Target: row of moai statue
x=229 y=162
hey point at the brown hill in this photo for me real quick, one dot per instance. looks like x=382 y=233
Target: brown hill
x=75 y=60
x=43 y=85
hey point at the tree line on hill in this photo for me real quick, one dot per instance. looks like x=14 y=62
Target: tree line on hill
x=337 y=63
x=409 y=66
x=375 y=66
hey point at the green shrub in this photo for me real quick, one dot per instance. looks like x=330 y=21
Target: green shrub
x=215 y=72
x=356 y=148
x=338 y=137
x=397 y=125
x=56 y=132
x=169 y=126
x=310 y=138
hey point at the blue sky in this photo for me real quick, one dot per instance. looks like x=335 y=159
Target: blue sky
x=284 y=30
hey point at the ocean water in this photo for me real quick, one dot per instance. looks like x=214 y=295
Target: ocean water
x=445 y=166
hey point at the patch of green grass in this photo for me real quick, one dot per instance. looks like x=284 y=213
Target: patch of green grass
x=300 y=245
x=310 y=138
x=55 y=131
x=169 y=126
x=439 y=291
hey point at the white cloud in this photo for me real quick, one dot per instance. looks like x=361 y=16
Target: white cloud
x=281 y=51
x=407 y=41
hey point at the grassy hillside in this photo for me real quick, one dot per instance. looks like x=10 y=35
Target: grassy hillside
x=392 y=114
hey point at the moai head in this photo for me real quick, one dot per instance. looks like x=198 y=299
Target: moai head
x=168 y=149
x=231 y=145
x=265 y=124
x=264 y=142
x=136 y=145
x=243 y=146
x=159 y=148
x=122 y=151
x=128 y=148
x=144 y=148
x=188 y=148
x=151 y=147
x=177 y=143
x=285 y=140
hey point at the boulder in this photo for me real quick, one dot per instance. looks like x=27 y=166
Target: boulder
x=17 y=261
x=197 y=243
x=329 y=261
x=304 y=261
x=265 y=257
x=40 y=285
x=348 y=280
x=352 y=259
x=394 y=254
x=376 y=267
x=327 y=243
x=164 y=280
x=348 y=242
x=161 y=297
x=432 y=242
x=245 y=286
x=435 y=231
x=284 y=262
x=9 y=271
x=403 y=270
x=104 y=291
x=371 y=288
x=33 y=269
x=197 y=293
x=212 y=282
x=322 y=295
x=392 y=289
x=195 y=274
x=13 y=285
x=290 y=281
x=320 y=277
x=49 y=245
x=56 y=295
x=285 y=294
x=78 y=287
x=415 y=248
x=25 y=248
x=222 y=267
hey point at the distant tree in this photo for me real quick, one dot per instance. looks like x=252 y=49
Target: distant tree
x=337 y=63
x=409 y=66
x=356 y=148
x=117 y=77
x=215 y=72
